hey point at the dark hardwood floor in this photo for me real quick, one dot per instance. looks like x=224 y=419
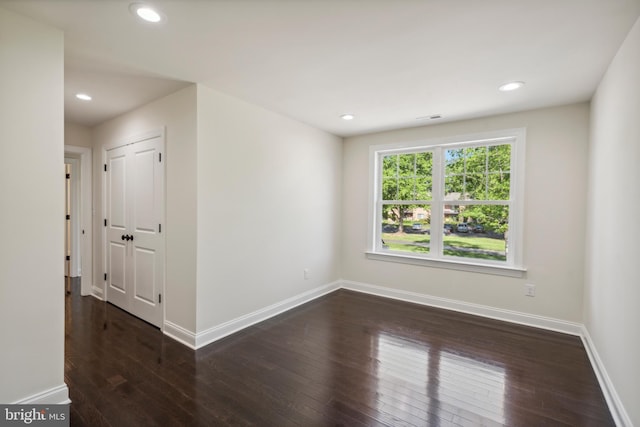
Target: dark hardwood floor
x=346 y=359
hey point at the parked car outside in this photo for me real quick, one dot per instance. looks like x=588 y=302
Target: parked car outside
x=478 y=228
x=463 y=227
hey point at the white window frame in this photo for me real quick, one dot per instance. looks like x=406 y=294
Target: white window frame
x=514 y=265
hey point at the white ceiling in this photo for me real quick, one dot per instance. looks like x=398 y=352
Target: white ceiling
x=386 y=61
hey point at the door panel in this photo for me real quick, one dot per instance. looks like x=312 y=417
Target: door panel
x=117 y=258
x=117 y=190
x=144 y=165
x=144 y=282
x=117 y=227
x=135 y=193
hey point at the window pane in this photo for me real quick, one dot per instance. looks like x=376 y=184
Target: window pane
x=424 y=164
x=389 y=189
x=475 y=186
x=454 y=161
x=498 y=188
x=424 y=171
x=406 y=189
x=454 y=187
x=476 y=160
x=390 y=177
x=478 y=173
x=500 y=158
x=406 y=165
x=406 y=228
x=476 y=231
x=423 y=188
x=407 y=176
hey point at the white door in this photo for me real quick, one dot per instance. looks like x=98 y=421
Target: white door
x=135 y=241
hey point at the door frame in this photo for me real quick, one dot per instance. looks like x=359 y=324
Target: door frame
x=85 y=224
x=75 y=269
x=101 y=291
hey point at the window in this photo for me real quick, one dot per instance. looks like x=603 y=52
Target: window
x=455 y=203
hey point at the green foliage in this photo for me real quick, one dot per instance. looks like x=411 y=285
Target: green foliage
x=479 y=173
x=471 y=173
x=405 y=177
x=494 y=218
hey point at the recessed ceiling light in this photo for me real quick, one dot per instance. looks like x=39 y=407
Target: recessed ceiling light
x=347 y=117
x=146 y=12
x=83 y=96
x=511 y=86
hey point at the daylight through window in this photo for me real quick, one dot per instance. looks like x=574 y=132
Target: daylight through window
x=451 y=201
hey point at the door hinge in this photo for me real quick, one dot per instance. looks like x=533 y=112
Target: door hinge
x=159 y=228
x=159 y=157
x=68 y=176
x=159 y=298
x=68 y=217
x=105 y=276
x=105 y=222
x=105 y=167
x=68 y=258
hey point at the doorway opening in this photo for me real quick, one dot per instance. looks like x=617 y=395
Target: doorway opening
x=79 y=225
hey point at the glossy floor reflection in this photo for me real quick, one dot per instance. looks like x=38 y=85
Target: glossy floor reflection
x=347 y=359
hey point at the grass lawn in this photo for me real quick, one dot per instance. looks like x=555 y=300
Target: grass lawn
x=469 y=246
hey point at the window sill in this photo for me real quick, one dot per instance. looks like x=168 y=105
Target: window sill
x=497 y=270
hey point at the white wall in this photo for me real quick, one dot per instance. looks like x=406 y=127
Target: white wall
x=77 y=135
x=31 y=218
x=555 y=200
x=177 y=113
x=268 y=207
x=612 y=292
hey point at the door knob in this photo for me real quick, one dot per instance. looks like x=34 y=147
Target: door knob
x=123 y=237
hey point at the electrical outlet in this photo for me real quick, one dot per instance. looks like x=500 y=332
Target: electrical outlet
x=530 y=290
x=307 y=274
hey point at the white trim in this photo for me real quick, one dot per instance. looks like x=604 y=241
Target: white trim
x=132 y=139
x=449 y=263
x=619 y=414
x=54 y=396
x=180 y=334
x=75 y=268
x=220 y=331
x=520 y=318
x=198 y=340
x=516 y=138
x=97 y=293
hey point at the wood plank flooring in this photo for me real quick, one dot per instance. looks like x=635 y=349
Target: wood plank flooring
x=347 y=359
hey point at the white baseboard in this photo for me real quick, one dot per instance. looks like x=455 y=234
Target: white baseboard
x=614 y=403
x=97 y=292
x=55 y=396
x=180 y=334
x=469 y=308
x=198 y=340
x=616 y=407
x=220 y=331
